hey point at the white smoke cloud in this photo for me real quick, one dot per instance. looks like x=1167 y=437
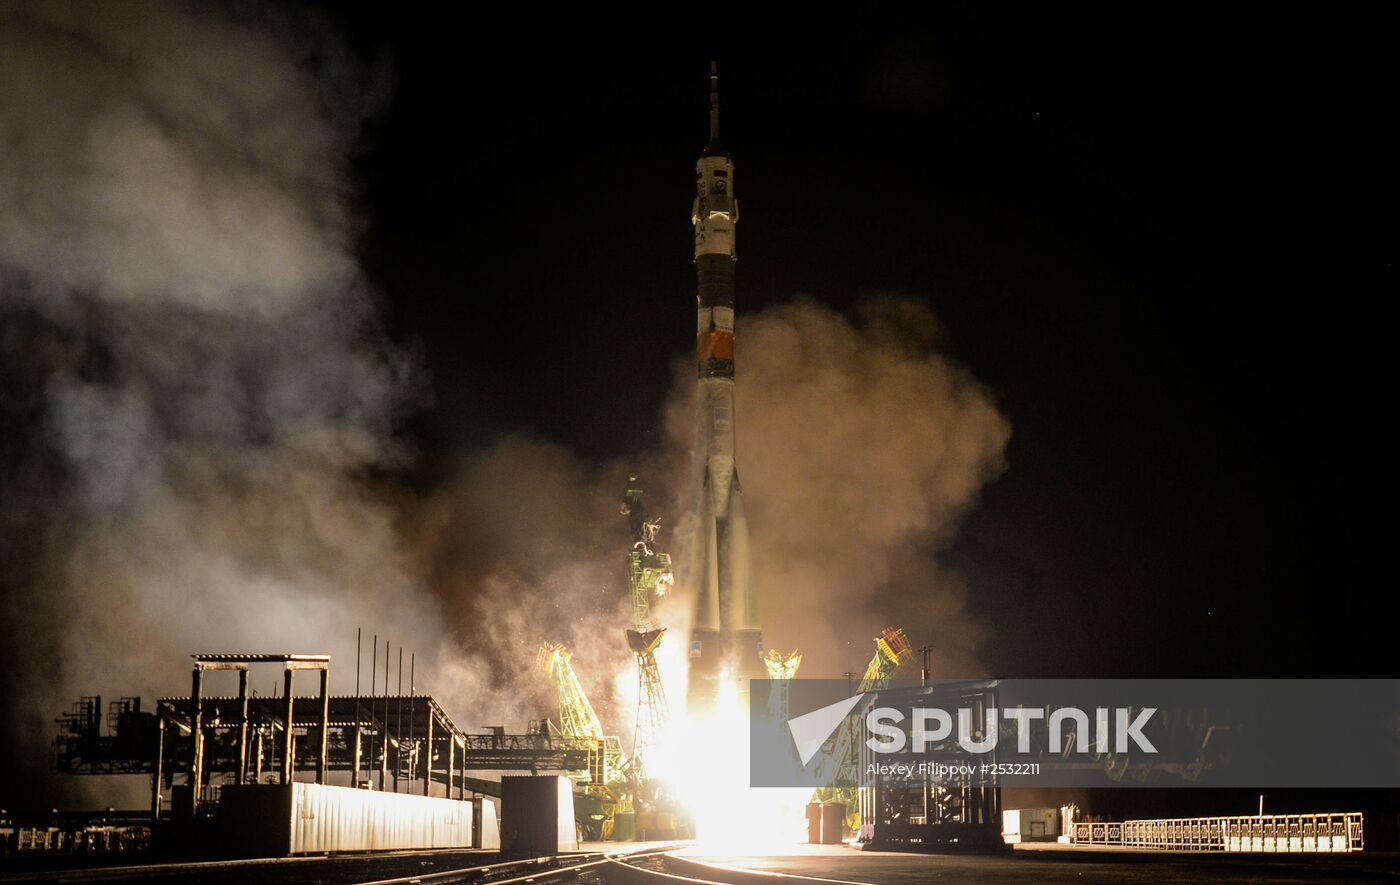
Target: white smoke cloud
x=204 y=377
x=158 y=152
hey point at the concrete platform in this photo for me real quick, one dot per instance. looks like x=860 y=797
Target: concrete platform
x=1056 y=866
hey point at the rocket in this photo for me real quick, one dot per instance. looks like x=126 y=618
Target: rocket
x=726 y=642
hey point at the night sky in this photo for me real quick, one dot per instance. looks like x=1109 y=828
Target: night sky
x=1159 y=241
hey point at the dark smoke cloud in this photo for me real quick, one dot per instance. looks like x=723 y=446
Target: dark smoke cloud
x=198 y=409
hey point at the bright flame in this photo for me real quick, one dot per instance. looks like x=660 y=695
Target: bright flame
x=710 y=772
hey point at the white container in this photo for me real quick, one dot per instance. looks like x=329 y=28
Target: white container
x=488 y=829
x=1030 y=825
x=275 y=820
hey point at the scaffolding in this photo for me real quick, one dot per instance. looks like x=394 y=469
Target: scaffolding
x=577 y=719
x=649 y=577
x=892 y=651
x=193 y=745
x=962 y=807
x=652 y=709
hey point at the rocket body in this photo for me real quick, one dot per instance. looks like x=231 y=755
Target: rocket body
x=726 y=640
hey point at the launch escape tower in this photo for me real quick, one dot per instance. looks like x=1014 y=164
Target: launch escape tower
x=649 y=576
x=726 y=641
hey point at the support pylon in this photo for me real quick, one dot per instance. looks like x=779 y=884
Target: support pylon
x=649 y=576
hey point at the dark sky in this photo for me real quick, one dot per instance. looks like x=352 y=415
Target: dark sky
x=1162 y=241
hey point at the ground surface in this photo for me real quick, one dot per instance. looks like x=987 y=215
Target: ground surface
x=1021 y=867
x=831 y=862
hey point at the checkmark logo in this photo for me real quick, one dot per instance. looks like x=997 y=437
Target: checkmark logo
x=811 y=730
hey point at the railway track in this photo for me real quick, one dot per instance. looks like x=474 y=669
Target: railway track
x=334 y=869
x=658 y=866
x=648 y=866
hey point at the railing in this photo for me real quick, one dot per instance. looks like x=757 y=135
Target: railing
x=74 y=836
x=1269 y=833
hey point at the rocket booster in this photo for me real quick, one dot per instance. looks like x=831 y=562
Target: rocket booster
x=726 y=641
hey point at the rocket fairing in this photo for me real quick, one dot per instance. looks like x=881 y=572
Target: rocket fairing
x=726 y=642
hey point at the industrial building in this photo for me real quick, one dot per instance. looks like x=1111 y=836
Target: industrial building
x=227 y=772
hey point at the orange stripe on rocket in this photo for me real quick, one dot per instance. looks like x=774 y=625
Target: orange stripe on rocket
x=715 y=344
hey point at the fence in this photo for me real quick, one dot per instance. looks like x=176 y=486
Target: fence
x=1269 y=833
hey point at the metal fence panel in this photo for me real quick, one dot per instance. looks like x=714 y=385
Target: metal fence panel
x=1270 y=833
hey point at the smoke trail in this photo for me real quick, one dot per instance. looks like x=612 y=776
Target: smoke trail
x=194 y=381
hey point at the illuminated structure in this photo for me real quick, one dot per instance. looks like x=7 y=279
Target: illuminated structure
x=649 y=576
x=781 y=669
x=961 y=808
x=652 y=709
x=576 y=716
x=726 y=640
x=782 y=666
x=892 y=650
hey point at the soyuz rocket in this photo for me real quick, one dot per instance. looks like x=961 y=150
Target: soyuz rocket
x=726 y=642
